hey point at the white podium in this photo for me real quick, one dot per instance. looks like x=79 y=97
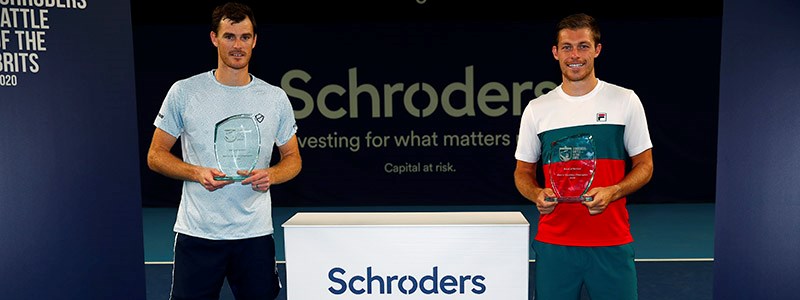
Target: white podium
x=407 y=255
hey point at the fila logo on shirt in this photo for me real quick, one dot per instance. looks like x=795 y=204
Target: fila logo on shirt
x=602 y=117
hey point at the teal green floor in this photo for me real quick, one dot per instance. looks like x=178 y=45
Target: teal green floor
x=679 y=232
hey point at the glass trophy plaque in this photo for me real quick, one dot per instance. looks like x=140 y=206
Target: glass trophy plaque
x=571 y=165
x=237 y=144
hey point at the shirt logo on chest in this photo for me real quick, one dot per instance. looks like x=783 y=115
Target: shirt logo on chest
x=602 y=117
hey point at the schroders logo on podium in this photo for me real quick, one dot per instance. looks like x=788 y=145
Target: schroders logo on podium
x=372 y=282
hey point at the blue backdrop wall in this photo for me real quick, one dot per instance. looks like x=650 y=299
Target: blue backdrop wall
x=70 y=203
x=757 y=230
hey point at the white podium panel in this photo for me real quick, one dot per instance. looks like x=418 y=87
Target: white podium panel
x=407 y=255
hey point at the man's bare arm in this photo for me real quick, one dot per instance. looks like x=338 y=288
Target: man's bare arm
x=289 y=165
x=640 y=174
x=525 y=180
x=161 y=160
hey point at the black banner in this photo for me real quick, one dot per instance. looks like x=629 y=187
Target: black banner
x=413 y=109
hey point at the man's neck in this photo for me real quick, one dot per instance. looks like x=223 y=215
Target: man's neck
x=579 y=88
x=232 y=77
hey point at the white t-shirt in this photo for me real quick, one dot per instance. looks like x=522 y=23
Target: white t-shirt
x=190 y=111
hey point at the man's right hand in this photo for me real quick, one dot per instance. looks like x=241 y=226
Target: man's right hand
x=545 y=207
x=206 y=178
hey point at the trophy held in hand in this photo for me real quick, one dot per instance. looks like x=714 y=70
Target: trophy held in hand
x=237 y=144
x=571 y=166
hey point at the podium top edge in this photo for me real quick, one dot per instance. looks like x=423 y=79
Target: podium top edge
x=315 y=219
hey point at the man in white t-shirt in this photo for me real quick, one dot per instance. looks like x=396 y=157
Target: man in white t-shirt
x=224 y=227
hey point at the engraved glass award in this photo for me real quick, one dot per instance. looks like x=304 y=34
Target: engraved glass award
x=237 y=144
x=571 y=165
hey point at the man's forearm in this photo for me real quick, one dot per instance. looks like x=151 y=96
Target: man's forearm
x=170 y=165
x=640 y=174
x=285 y=170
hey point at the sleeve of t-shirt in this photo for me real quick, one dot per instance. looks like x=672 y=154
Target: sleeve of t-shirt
x=288 y=126
x=528 y=144
x=170 y=118
x=637 y=134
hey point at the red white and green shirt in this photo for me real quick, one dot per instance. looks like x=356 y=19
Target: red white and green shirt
x=615 y=118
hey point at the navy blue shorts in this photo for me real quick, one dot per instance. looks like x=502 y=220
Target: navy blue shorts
x=202 y=265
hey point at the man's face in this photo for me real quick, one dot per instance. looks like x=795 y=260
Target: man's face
x=575 y=53
x=235 y=42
